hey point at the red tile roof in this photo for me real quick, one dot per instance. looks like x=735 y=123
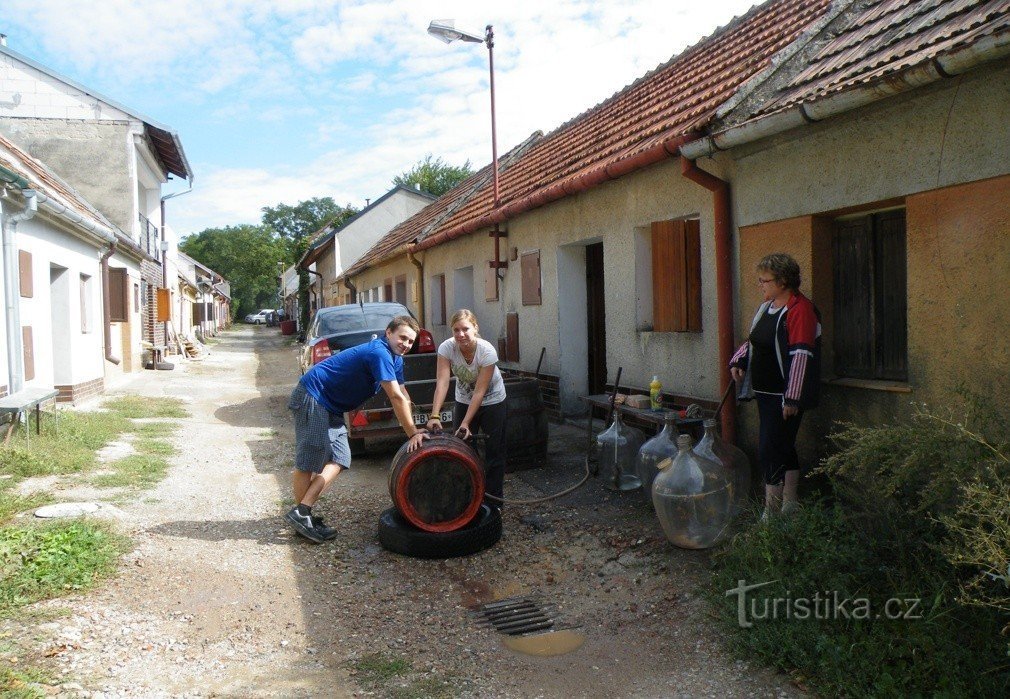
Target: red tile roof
x=645 y=122
x=432 y=215
x=888 y=37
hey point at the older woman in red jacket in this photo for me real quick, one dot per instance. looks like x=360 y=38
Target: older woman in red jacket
x=779 y=366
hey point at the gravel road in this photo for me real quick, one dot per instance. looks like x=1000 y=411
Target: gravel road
x=220 y=598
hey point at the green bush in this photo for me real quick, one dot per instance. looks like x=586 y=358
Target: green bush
x=946 y=649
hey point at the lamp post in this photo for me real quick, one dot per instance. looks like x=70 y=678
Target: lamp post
x=445 y=30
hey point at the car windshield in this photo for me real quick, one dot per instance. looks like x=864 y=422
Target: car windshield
x=346 y=322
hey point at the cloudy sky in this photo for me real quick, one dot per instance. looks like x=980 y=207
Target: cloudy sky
x=283 y=100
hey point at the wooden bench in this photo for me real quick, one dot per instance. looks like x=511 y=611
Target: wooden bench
x=23 y=401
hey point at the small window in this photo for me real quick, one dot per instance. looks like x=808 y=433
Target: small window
x=437 y=302
x=676 y=276
x=531 y=278
x=870 y=297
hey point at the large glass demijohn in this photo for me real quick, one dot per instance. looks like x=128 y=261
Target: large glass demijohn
x=617 y=451
x=653 y=455
x=713 y=446
x=693 y=498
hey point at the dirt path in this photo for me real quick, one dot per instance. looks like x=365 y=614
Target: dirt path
x=220 y=599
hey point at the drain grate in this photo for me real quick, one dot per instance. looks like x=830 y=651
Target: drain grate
x=516 y=616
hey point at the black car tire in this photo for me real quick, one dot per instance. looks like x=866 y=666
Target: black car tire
x=357 y=446
x=399 y=536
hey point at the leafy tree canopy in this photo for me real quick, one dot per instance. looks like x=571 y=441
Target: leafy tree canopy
x=247 y=257
x=296 y=224
x=435 y=176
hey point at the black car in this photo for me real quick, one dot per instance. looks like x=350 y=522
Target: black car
x=337 y=328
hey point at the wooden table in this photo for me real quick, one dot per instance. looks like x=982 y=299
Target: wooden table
x=657 y=417
x=23 y=401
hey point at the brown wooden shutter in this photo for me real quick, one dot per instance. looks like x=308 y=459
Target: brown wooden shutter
x=198 y=312
x=164 y=303
x=853 y=294
x=890 y=296
x=29 y=352
x=676 y=276
x=387 y=289
x=119 y=299
x=490 y=283
x=531 y=278
x=511 y=337
x=25 y=273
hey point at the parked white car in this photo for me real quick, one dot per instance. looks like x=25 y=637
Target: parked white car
x=260 y=316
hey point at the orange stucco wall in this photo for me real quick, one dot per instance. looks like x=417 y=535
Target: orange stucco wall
x=958 y=248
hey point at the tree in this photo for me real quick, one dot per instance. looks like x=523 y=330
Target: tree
x=434 y=176
x=296 y=225
x=246 y=256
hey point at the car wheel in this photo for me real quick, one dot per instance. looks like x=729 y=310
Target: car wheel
x=399 y=536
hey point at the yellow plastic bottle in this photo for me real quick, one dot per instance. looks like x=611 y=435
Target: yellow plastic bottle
x=656 y=394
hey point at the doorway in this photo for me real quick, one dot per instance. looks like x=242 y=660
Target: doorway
x=59 y=317
x=596 y=320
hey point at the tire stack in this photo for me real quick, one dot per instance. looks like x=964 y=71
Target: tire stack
x=438 y=493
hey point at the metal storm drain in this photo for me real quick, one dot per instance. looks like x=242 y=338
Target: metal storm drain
x=515 y=616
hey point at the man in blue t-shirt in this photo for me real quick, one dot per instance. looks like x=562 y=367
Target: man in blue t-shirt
x=328 y=390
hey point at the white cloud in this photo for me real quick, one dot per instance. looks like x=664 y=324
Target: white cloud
x=360 y=74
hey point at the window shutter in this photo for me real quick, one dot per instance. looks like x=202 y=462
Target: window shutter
x=490 y=283
x=891 y=296
x=119 y=299
x=164 y=303
x=853 y=317
x=676 y=276
x=531 y=278
x=25 y=273
x=198 y=312
x=511 y=337
x=387 y=289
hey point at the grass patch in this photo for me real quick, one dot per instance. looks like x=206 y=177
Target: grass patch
x=136 y=471
x=154 y=430
x=156 y=447
x=23 y=683
x=143 y=407
x=395 y=677
x=42 y=562
x=12 y=503
x=68 y=448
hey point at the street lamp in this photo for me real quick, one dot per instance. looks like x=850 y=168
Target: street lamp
x=445 y=30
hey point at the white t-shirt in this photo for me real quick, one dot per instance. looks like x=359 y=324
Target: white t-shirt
x=466 y=374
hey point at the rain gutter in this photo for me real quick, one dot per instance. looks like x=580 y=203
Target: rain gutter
x=946 y=65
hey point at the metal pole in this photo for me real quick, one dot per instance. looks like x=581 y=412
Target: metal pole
x=489 y=40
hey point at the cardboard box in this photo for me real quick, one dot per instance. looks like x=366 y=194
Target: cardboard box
x=637 y=400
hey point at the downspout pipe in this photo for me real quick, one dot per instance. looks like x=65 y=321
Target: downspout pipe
x=350 y=287
x=420 y=284
x=320 y=294
x=573 y=184
x=723 y=281
x=12 y=294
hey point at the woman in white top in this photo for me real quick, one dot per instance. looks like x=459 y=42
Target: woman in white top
x=480 y=394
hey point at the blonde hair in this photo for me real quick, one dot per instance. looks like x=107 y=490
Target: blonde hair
x=467 y=315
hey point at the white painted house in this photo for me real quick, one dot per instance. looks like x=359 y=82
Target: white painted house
x=115 y=157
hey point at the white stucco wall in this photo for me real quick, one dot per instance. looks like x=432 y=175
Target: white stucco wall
x=64 y=354
x=40 y=96
x=619 y=214
x=357 y=237
x=950 y=133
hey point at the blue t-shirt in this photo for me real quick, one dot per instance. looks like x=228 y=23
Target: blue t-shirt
x=346 y=380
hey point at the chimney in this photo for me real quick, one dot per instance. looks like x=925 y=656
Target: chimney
x=367 y=202
x=3 y=39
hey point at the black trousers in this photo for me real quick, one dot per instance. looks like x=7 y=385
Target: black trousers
x=490 y=419
x=777 y=440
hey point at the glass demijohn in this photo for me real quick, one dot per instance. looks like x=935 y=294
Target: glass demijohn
x=617 y=450
x=693 y=498
x=714 y=447
x=656 y=453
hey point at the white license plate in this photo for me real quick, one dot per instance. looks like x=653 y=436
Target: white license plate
x=421 y=419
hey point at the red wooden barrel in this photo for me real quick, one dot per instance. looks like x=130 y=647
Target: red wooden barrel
x=440 y=486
